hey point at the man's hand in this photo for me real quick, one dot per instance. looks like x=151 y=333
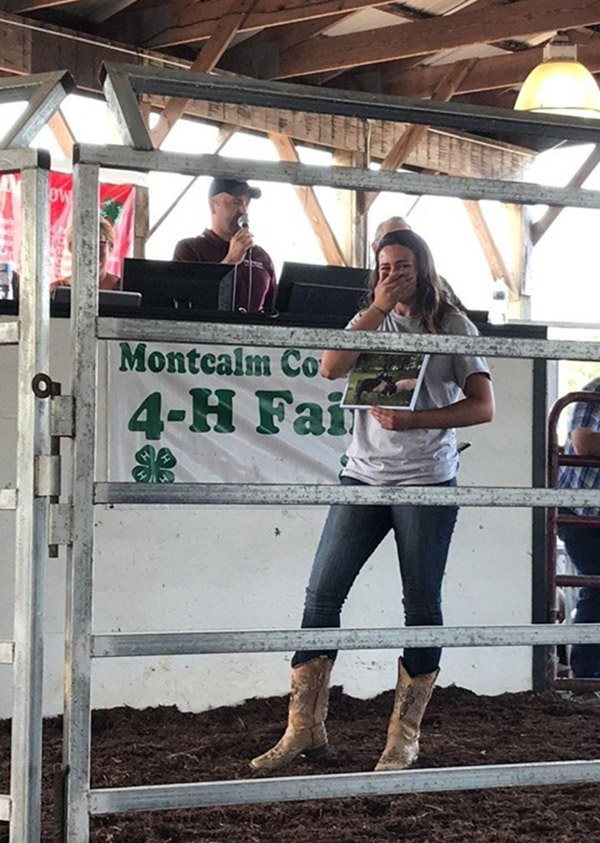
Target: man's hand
x=394 y=419
x=239 y=244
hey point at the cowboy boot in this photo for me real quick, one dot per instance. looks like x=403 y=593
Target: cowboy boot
x=305 y=733
x=412 y=695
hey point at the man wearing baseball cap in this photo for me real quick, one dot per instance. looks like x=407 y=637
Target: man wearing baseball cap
x=230 y=241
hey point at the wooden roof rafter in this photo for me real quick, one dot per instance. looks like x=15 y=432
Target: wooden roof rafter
x=45 y=46
x=254 y=55
x=285 y=39
x=412 y=135
x=495 y=72
x=160 y=25
x=102 y=10
x=96 y=11
x=309 y=201
x=237 y=13
x=23 y=6
x=463 y=29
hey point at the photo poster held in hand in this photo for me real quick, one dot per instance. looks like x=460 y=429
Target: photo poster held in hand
x=385 y=380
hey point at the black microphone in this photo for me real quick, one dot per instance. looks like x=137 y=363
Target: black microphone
x=243 y=223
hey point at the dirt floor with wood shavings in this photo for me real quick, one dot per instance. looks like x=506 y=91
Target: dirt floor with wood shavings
x=164 y=745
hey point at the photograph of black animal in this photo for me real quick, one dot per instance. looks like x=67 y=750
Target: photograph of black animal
x=381 y=385
x=380 y=379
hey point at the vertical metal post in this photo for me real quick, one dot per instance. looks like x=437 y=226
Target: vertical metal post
x=32 y=512
x=77 y=697
x=538 y=517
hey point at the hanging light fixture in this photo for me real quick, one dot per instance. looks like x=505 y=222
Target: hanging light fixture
x=560 y=84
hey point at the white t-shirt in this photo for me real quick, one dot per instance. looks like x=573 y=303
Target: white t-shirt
x=414 y=457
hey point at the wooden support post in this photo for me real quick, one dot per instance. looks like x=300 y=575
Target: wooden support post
x=519 y=307
x=412 y=135
x=141 y=225
x=208 y=58
x=308 y=199
x=490 y=249
x=355 y=242
x=62 y=133
x=141 y=218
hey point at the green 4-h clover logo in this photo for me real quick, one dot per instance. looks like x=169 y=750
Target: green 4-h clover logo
x=110 y=210
x=154 y=467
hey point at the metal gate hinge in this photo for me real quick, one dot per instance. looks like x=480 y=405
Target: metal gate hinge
x=60 y=526
x=62 y=416
x=47 y=476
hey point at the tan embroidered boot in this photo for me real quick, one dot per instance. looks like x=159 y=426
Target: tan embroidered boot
x=305 y=733
x=412 y=695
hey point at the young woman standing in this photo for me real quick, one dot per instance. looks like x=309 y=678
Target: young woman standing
x=391 y=447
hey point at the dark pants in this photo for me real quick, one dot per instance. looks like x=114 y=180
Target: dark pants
x=583 y=547
x=350 y=536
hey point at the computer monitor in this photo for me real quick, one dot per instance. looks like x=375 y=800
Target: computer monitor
x=106 y=298
x=180 y=284
x=307 y=289
x=478 y=317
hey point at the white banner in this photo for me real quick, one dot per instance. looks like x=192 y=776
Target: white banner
x=223 y=414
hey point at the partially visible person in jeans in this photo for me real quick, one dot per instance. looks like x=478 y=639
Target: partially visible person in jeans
x=106 y=280
x=391 y=447
x=583 y=543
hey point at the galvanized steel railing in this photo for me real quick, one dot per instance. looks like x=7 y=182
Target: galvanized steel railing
x=22 y=807
x=83 y=645
x=43 y=94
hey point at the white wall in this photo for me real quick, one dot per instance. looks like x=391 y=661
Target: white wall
x=245 y=568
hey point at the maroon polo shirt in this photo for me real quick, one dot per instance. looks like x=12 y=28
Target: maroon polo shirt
x=208 y=248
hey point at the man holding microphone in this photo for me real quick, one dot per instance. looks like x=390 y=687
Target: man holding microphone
x=230 y=241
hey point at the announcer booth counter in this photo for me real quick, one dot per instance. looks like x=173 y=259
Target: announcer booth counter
x=193 y=413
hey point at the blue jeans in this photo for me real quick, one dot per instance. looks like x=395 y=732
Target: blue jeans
x=350 y=536
x=583 y=547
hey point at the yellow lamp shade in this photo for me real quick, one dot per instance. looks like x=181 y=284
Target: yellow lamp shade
x=560 y=87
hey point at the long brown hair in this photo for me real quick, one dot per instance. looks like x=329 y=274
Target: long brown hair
x=433 y=302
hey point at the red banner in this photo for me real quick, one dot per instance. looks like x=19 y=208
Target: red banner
x=117 y=204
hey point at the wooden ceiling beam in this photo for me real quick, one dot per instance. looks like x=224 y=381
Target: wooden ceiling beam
x=19 y=7
x=106 y=9
x=258 y=55
x=493 y=255
x=284 y=37
x=312 y=207
x=412 y=135
x=406 y=12
x=493 y=72
x=299 y=33
x=23 y=51
x=463 y=29
x=209 y=57
x=490 y=74
x=184 y=23
x=249 y=54
x=438 y=151
x=62 y=134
